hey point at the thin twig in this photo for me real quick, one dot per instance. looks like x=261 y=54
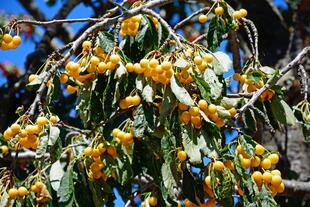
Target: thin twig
x=187 y=19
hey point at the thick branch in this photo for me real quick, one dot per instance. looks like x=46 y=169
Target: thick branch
x=234 y=47
x=33 y=10
x=297 y=188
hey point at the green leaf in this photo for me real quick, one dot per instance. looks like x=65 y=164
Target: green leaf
x=203 y=86
x=266 y=198
x=66 y=188
x=289 y=114
x=193 y=144
x=216 y=87
x=216 y=31
x=84 y=98
x=168 y=104
x=106 y=41
x=121 y=84
x=140 y=37
x=191 y=189
x=124 y=170
x=35 y=84
x=143 y=120
x=227 y=184
x=56 y=174
x=282 y=112
x=255 y=76
x=221 y=63
x=168 y=179
x=247 y=145
x=249 y=120
x=53 y=135
x=180 y=92
x=41 y=150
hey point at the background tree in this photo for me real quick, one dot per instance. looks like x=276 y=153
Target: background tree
x=148 y=162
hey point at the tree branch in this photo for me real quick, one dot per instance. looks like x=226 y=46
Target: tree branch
x=232 y=36
x=297 y=188
x=273 y=80
x=55 y=21
x=187 y=19
x=33 y=10
x=95 y=28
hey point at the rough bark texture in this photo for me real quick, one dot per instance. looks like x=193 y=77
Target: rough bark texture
x=297 y=152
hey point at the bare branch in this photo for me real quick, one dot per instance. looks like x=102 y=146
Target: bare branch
x=240 y=95
x=187 y=19
x=55 y=21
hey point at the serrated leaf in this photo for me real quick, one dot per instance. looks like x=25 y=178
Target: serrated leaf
x=217 y=29
x=66 y=188
x=56 y=174
x=215 y=86
x=289 y=114
x=193 y=144
x=180 y=92
x=53 y=135
x=140 y=37
x=246 y=146
x=221 y=63
x=84 y=98
x=168 y=179
x=124 y=170
x=266 y=198
x=282 y=112
x=167 y=105
x=142 y=120
x=249 y=120
x=41 y=149
x=106 y=41
x=203 y=86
